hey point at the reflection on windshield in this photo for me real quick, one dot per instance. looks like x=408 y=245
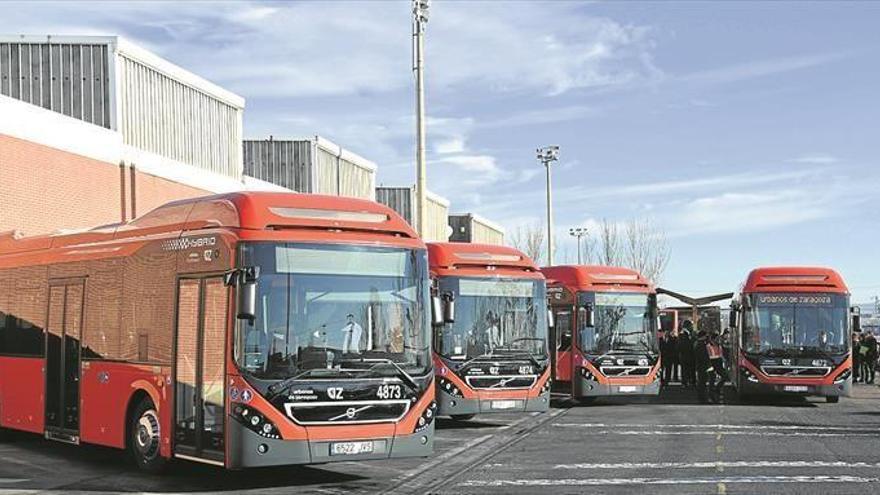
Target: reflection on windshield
x=323 y=307
x=494 y=316
x=797 y=322
x=624 y=322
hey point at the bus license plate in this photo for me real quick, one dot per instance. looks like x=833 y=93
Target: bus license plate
x=503 y=404
x=627 y=389
x=796 y=388
x=351 y=448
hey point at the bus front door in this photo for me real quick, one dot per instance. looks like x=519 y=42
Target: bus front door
x=63 y=332
x=200 y=343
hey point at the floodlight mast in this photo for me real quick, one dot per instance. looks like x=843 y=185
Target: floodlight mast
x=420 y=19
x=578 y=232
x=548 y=155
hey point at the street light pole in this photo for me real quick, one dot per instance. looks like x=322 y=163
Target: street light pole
x=420 y=19
x=546 y=156
x=578 y=232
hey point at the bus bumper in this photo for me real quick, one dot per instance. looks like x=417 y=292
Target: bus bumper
x=592 y=388
x=248 y=449
x=448 y=405
x=842 y=389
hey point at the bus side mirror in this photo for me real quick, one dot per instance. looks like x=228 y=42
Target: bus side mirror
x=587 y=315
x=245 y=281
x=856 y=318
x=436 y=311
x=733 y=318
x=551 y=319
x=448 y=308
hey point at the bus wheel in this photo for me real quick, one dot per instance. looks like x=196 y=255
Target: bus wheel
x=832 y=399
x=462 y=417
x=145 y=436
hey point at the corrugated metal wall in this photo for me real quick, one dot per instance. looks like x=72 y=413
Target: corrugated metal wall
x=71 y=79
x=306 y=167
x=402 y=200
x=284 y=163
x=482 y=233
x=467 y=228
x=164 y=116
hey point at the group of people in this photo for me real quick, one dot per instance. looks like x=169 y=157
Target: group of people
x=697 y=359
x=865 y=353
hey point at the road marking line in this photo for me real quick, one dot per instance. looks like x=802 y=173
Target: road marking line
x=732 y=433
x=722 y=488
x=719 y=449
x=722 y=464
x=13 y=480
x=846 y=429
x=668 y=481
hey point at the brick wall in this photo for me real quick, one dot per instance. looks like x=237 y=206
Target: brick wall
x=43 y=189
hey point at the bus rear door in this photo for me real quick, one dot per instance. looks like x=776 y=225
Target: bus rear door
x=63 y=332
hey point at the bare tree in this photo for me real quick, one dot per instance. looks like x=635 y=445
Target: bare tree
x=530 y=240
x=638 y=244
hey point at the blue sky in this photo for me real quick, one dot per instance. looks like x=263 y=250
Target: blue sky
x=747 y=131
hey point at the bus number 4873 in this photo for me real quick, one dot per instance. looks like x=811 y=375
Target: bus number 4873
x=388 y=392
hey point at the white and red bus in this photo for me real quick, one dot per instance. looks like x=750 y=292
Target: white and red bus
x=240 y=330
x=490 y=353
x=792 y=334
x=605 y=332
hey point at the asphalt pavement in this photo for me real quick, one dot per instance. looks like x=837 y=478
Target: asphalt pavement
x=668 y=444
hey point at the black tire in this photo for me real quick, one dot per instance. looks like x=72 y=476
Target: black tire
x=832 y=399
x=144 y=438
x=462 y=417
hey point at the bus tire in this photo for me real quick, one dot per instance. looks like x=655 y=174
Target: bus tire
x=462 y=417
x=832 y=399
x=144 y=437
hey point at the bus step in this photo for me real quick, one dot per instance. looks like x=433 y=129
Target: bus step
x=62 y=436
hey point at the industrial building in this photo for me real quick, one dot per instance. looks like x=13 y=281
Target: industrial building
x=96 y=130
x=403 y=201
x=470 y=227
x=316 y=166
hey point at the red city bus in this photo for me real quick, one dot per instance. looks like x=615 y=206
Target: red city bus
x=605 y=334
x=490 y=353
x=791 y=334
x=240 y=330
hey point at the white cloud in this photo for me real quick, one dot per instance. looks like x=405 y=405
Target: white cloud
x=759 y=68
x=816 y=159
x=447 y=146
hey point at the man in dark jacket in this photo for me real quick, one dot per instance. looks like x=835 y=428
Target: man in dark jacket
x=686 y=354
x=857 y=357
x=702 y=363
x=869 y=357
x=668 y=354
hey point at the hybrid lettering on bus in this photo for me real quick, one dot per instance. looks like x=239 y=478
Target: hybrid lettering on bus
x=791 y=333
x=491 y=349
x=605 y=336
x=240 y=330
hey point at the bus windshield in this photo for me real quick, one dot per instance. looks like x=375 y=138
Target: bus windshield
x=623 y=323
x=333 y=310
x=797 y=323
x=494 y=317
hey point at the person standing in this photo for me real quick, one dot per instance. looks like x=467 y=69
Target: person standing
x=668 y=351
x=716 y=361
x=857 y=357
x=869 y=357
x=352 y=332
x=686 y=354
x=702 y=363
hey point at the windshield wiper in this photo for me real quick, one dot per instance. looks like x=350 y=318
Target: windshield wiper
x=401 y=373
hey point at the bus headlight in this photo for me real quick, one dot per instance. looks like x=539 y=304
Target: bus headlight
x=587 y=375
x=546 y=387
x=254 y=421
x=426 y=418
x=448 y=387
x=843 y=376
x=750 y=376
